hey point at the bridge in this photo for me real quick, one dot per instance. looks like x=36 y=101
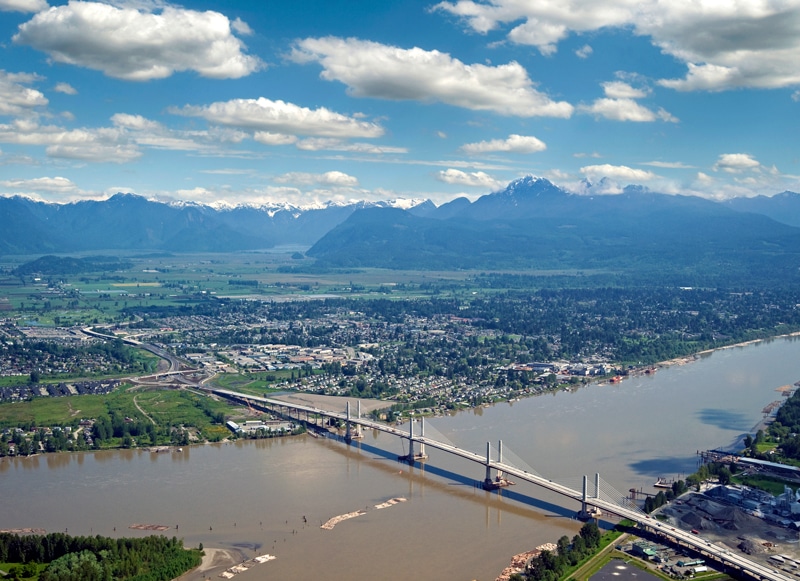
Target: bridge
x=591 y=504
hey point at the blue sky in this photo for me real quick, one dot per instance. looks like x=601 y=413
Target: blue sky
x=302 y=102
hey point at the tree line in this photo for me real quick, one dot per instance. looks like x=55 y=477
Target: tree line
x=68 y=558
x=551 y=566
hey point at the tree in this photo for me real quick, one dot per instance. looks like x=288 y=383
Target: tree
x=35 y=376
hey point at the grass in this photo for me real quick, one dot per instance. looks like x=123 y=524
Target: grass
x=769 y=483
x=165 y=407
x=52 y=411
x=252 y=384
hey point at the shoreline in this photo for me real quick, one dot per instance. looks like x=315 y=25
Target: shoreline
x=693 y=357
x=215 y=561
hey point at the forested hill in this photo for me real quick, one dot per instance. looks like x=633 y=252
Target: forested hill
x=535 y=225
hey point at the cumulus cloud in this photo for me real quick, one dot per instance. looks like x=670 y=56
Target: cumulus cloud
x=619 y=104
x=704 y=178
x=584 y=52
x=625 y=110
x=136 y=122
x=15 y=97
x=619 y=172
x=330 y=178
x=65 y=88
x=474 y=179
x=137 y=44
x=513 y=144
x=55 y=184
x=371 y=69
x=268 y=138
x=736 y=163
x=23 y=5
x=105 y=144
x=622 y=90
x=749 y=43
x=241 y=27
x=281 y=117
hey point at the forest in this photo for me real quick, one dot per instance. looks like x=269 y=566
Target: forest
x=551 y=566
x=67 y=558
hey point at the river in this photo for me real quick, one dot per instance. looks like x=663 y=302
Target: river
x=271 y=496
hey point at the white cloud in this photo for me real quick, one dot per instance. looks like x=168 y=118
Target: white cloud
x=622 y=90
x=268 y=138
x=748 y=43
x=281 y=117
x=23 y=5
x=584 y=52
x=136 y=122
x=668 y=164
x=330 y=178
x=65 y=88
x=15 y=97
x=55 y=184
x=513 y=144
x=138 y=45
x=796 y=96
x=619 y=105
x=370 y=69
x=582 y=154
x=736 y=163
x=704 y=179
x=96 y=145
x=475 y=179
x=333 y=144
x=241 y=27
x=620 y=110
x=620 y=172
x=150 y=133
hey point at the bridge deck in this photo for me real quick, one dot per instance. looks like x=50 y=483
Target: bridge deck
x=692 y=540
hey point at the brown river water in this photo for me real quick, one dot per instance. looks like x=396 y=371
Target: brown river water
x=271 y=496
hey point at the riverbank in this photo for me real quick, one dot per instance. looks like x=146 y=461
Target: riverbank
x=215 y=561
x=694 y=357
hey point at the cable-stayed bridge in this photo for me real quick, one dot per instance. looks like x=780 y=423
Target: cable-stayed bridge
x=595 y=499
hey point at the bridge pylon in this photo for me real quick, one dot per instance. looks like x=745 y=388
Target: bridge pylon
x=357 y=433
x=498 y=481
x=421 y=455
x=348 y=431
x=587 y=510
x=413 y=456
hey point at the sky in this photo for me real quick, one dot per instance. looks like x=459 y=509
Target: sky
x=302 y=102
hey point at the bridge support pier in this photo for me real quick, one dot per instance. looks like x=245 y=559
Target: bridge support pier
x=498 y=481
x=358 y=433
x=421 y=455
x=348 y=433
x=413 y=456
x=587 y=510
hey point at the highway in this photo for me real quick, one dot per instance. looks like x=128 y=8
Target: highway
x=174 y=364
x=694 y=541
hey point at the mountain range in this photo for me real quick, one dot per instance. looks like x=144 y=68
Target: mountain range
x=531 y=224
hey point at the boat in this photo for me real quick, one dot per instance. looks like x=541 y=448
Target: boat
x=661 y=482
